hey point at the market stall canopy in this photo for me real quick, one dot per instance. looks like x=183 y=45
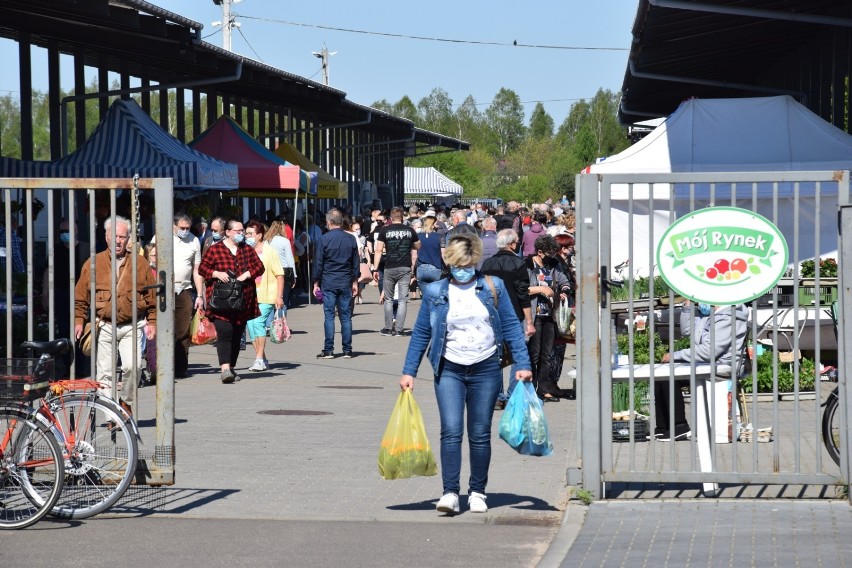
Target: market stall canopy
x=128 y=142
x=260 y=168
x=328 y=186
x=429 y=181
x=764 y=134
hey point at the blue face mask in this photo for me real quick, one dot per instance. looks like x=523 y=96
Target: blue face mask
x=182 y=234
x=239 y=238
x=463 y=274
x=218 y=236
x=250 y=241
x=704 y=309
x=65 y=237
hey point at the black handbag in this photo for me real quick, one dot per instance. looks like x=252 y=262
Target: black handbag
x=227 y=296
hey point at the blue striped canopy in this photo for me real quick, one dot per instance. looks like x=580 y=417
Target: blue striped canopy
x=128 y=142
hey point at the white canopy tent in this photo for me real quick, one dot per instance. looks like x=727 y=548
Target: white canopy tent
x=768 y=134
x=429 y=181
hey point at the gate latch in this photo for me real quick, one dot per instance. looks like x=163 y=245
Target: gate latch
x=607 y=285
x=161 y=290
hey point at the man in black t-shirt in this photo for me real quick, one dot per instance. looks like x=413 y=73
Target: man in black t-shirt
x=397 y=241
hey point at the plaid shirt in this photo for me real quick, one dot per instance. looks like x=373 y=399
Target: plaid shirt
x=17 y=259
x=219 y=258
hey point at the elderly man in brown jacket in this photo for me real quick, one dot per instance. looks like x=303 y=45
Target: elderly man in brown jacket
x=122 y=327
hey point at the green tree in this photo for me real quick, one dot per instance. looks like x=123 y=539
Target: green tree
x=10 y=127
x=469 y=122
x=541 y=123
x=383 y=105
x=608 y=135
x=435 y=112
x=570 y=127
x=505 y=121
x=404 y=108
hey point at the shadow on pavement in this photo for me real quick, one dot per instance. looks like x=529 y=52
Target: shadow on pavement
x=495 y=500
x=144 y=500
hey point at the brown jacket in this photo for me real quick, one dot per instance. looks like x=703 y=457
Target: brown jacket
x=146 y=300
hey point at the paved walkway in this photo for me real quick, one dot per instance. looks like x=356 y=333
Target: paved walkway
x=280 y=470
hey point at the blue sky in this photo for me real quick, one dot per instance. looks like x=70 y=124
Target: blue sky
x=369 y=66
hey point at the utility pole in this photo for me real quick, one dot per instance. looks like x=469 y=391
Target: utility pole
x=324 y=55
x=228 y=22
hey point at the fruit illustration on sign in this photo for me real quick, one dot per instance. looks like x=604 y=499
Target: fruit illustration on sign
x=728 y=270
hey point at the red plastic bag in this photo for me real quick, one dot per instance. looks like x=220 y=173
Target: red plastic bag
x=202 y=329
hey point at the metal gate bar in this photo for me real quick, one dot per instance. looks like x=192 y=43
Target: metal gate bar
x=602 y=461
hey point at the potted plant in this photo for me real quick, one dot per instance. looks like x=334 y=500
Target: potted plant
x=827 y=268
x=827 y=293
x=765 y=363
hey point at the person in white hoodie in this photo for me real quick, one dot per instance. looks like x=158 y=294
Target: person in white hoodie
x=709 y=345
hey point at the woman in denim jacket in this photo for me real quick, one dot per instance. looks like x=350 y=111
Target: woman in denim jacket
x=465 y=331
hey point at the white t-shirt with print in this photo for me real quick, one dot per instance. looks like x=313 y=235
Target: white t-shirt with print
x=470 y=335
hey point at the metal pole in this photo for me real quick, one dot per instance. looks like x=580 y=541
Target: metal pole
x=588 y=345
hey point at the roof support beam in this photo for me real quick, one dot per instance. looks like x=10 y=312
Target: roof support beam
x=711 y=83
x=753 y=12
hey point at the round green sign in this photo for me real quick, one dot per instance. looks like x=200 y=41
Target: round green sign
x=722 y=256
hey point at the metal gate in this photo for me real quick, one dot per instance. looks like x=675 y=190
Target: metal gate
x=38 y=305
x=625 y=214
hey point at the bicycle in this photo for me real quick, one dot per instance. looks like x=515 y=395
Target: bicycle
x=98 y=438
x=830 y=425
x=31 y=461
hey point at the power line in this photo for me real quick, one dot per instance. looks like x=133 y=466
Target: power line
x=212 y=34
x=438 y=39
x=248 y=44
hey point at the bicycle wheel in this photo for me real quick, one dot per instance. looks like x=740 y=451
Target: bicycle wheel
x=100 y=451
x=831 y=427
x=31 y=470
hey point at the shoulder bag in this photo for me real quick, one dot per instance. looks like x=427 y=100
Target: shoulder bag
x=227 y=296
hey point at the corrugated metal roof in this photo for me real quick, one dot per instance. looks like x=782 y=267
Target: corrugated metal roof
x=734 y=48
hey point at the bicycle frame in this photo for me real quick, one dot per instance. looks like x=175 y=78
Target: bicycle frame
x=55 y=400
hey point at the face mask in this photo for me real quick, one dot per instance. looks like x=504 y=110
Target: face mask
x=358 y=233
x=463 y=274
x=250 y=241
x=183 y=234
x=704 y=309
x=65 y=237
x=218 y=237
x=239 y=238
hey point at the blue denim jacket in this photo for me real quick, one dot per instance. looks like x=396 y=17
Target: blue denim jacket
x=430 y=329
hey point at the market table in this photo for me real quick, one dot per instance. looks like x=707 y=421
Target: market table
x=704 y=380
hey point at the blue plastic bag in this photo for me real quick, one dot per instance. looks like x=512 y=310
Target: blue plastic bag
x=523 y=425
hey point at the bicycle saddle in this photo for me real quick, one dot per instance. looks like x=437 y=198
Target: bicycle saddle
x=55 y=347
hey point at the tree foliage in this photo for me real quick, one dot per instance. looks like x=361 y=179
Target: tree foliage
x=508 y=158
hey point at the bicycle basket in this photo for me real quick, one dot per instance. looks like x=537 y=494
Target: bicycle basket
x=24 y=379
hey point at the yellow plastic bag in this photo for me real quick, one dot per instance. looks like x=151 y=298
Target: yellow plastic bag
x=405 y=450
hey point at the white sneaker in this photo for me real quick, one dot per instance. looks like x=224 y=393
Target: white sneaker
x=259 y=365
x=476 y=502
x=449 y=503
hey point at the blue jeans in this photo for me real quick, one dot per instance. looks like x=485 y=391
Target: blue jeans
x=342 y=300
x=427 y=273
x=475 y=387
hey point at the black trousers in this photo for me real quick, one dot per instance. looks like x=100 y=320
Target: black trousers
x=540 y=348
x=228 y=337
x=664 y=404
